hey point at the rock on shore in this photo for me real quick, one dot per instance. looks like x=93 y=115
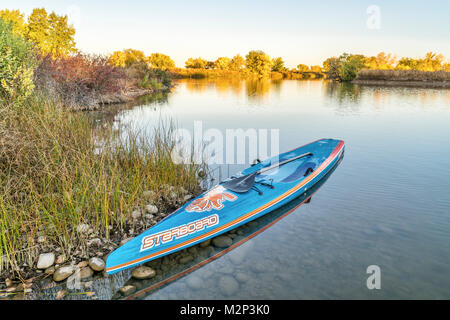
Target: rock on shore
x=46 y=260
x=63 y=273
x=96 y=264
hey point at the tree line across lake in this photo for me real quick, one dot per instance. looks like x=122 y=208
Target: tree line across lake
x=46 y=41
x=345 y=67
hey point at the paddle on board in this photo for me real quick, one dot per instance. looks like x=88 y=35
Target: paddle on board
x=245 y=183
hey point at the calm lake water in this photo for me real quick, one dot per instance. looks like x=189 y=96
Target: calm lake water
x=386 y=204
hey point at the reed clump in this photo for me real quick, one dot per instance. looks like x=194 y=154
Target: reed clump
x=59 y=171
x=403 y=75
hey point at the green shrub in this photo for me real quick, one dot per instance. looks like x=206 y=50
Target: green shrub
x=350 y=66
x=163 y=77
x=155 y=84
x=17 y=65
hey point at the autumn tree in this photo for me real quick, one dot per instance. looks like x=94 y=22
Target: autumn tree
x=37 y=29
x=258 y=63
x=432 y=62
x=52 y=33
x=60 y=42
x=196 y=63
x=237 y=63
x=302 y=68
x=316 y=69
x=16 y=18
x=161 y=61
x=127 y=57
x=446 y=67
x=222 y=63
x=381 y=61
x=278 y=64
x=331 y=67
x=408 y=64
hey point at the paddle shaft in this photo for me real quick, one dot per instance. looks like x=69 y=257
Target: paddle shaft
x=245 y=183
x=283 y=162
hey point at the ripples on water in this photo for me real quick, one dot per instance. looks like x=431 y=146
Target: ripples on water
x=387 y=204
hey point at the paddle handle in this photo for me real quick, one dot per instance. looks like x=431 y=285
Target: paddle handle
x=284 y=162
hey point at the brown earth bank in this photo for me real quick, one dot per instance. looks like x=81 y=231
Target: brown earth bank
x=100 y=101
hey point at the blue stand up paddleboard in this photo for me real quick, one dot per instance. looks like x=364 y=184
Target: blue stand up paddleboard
x=244 y=197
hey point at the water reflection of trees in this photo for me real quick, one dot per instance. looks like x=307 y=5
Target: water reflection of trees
x=343 y=92
x=350 y=96
x=276 y=86
x=255 y=89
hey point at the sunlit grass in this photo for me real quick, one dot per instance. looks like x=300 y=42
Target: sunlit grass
x=58 y=171
x=403 y=75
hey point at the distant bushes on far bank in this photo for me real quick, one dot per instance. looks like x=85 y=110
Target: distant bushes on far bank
x=179 y=73
x=347 y=67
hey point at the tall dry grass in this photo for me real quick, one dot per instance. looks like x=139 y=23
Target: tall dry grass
x=57 y=172
x=403 y=75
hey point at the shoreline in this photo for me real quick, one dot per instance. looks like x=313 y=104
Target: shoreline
x=53 y=267
x=44 y=260
x=102 y=100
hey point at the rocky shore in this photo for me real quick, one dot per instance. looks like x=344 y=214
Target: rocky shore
x=87 y=279
x=171 y=267
x=54 y=268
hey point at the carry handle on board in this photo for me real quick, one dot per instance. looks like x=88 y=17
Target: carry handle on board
x=245 y=183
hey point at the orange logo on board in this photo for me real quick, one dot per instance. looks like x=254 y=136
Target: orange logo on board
x=212 y=200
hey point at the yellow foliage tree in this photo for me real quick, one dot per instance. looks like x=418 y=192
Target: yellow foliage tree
x=446 y=67
x=258 y=63
x=431 y=62
x=37 y=29
x=237 y=63
x=222 y=63
x=196 y=63
x=161 y=61
x=50 y=33
x=302 y=68
x=127 y=57
x=17 y=19
x=317 y=69
x=60 y=41
x=381 y=61
x=278 y=65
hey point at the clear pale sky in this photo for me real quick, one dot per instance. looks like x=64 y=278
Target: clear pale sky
x=299 y=31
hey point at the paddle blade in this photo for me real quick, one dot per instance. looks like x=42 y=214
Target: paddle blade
x=241 y=184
